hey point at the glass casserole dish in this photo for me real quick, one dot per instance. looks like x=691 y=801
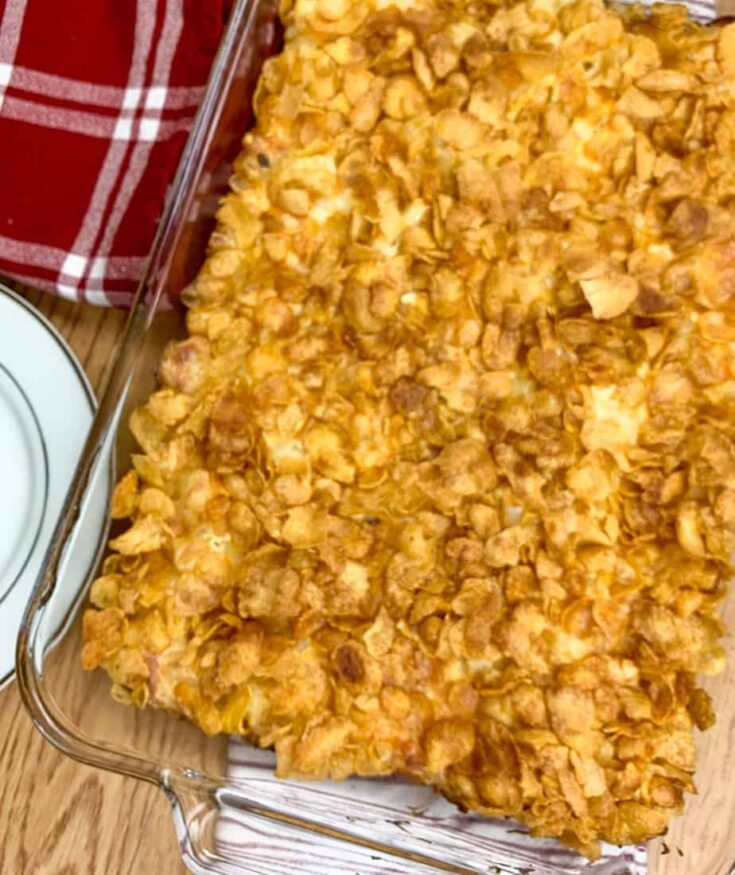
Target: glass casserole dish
x=376 y=825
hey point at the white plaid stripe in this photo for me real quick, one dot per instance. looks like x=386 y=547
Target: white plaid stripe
x=155 y=97
x=74 y=265
x=70 y=267
x=43 y=84
x=173 y=24
x=49 y=257
x=131 y=98
x=123 y=129
x=97 y=269
x=114 y=267
x=32 y=279
x=11 y=25
x=128 y=126
x=148 y=129
x=36 y=82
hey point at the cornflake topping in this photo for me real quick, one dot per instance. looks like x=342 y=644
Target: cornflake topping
x=442 y=482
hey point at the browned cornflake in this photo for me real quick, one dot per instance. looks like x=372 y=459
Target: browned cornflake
x=442 y=482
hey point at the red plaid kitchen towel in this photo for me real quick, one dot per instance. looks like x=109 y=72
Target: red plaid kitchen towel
x=96 y=98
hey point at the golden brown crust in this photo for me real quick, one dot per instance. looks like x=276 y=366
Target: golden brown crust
x=443 y=480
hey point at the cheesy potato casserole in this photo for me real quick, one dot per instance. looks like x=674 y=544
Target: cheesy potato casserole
x=442 y=480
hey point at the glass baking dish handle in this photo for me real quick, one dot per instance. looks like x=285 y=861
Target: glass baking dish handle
x=260 y=825
x=235 y=830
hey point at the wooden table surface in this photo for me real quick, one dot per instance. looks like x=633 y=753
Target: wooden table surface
x=58 y=816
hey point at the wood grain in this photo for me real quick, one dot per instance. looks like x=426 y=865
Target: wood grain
x=58 y=816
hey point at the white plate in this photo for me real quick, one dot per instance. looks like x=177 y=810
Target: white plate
x=46 y=408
